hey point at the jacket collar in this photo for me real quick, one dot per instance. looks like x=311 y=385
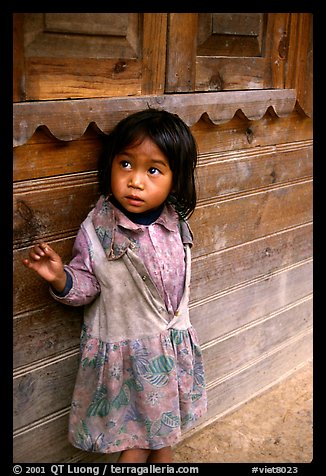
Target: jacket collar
x=108 y=221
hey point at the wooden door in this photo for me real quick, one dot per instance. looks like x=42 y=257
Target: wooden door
x=93 y=55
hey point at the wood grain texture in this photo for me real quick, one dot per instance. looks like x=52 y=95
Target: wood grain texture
x=250 y=217
x=232 y=172
x=45 y=332
x=225 y=355
x=222 y=270
x=82 y=55
x=244 y=135
x=154 y=53
x=46 y=389
x=18 y=58
x=48 y=157
x=46 y=208
x=96 y=78
x=300 y=59
x=181 y=60
x=244 y=303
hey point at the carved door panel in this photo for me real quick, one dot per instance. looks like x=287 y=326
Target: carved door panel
x=230 y=51
x=85 y=55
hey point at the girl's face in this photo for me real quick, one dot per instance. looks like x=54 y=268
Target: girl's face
x=141 y=178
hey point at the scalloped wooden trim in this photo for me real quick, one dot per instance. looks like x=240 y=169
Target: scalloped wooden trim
x=68 y=119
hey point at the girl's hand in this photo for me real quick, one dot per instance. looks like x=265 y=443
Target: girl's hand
x=47 y=264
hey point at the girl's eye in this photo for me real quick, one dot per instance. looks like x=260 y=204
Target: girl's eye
x=125 y=164
x=153 y=171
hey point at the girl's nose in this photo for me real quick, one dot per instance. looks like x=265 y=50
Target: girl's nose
x=136 y=182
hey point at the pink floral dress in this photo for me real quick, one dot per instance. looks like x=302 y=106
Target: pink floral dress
x=140 y=382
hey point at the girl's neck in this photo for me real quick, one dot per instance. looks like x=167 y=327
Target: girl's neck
x=145 y=218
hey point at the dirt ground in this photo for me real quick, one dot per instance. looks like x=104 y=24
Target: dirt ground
x=275 y=427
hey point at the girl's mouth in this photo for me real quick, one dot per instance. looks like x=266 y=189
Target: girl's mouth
x=134 y=200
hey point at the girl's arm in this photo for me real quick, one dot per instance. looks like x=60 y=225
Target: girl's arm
x=84 y=285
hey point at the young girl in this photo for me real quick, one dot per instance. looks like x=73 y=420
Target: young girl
x=141 y=377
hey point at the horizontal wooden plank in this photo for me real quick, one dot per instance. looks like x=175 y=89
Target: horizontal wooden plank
x=45 y=333
x=44 y=390
x=237 y=73
x=241 y=133
x=224 y=223
x=216 y=272
x=46 y=156
x=231 y=172
x=242 y=305
x=248 y=216
x=211 y=274
x=242 y=386
x=56 y=78
x=67 y=120
x=232 y=351
x=47 y=442
x=218 y=174
x=50 y=207
x=44 y=443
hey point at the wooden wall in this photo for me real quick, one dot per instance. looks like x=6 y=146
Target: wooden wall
x=251 y=290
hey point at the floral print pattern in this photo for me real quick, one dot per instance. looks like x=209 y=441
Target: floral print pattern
x=145 y=391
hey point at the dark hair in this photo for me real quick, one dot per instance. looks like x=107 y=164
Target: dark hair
x=173 y=138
